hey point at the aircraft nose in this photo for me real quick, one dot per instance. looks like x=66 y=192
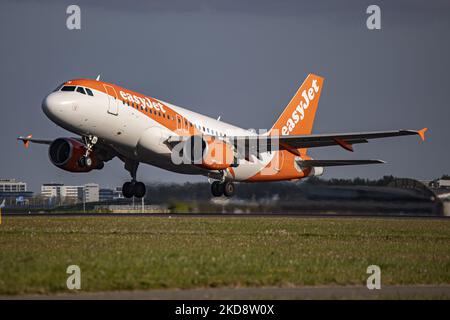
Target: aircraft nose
x=54 y=104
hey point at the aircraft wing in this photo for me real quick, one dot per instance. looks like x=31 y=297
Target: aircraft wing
x=344 y=140
x=26 y=140
x=256 y=144
x=294 y=142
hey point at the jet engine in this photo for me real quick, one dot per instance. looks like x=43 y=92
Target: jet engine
x=68 y=154
x=208 y=152
x=308 y=170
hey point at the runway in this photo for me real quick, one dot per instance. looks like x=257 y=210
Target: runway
x=231 y=215
x=319 y=292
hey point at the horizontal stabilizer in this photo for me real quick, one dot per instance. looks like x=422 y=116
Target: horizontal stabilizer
x=332 y=163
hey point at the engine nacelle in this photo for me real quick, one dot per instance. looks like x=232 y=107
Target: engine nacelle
x=309 y=171
x=65 y=153
x=316 y=172
x=208 y=152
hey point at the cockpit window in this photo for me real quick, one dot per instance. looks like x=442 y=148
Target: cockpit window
x=68 y=88
x=89 y=92
x=58 y=87
x=81 y=90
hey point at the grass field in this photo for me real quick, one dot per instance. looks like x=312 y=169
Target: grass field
x=122 y=253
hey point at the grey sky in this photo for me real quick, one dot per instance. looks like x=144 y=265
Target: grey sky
x=242 y=60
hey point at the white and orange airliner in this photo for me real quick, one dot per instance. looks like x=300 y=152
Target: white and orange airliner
x=112 y=121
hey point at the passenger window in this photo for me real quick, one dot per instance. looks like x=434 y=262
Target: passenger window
x=89 y=92
x=68 y=88
x=81 y=90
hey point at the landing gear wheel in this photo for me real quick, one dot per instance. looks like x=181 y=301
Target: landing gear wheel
x=85 y=162
x=228 y=189
x=127 y=189
x=133 y=188
x=139 y=190
x=217 y=189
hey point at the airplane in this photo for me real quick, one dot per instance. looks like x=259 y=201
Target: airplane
x=111 y=121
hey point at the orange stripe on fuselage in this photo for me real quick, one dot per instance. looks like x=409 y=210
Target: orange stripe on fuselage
x=167 y=119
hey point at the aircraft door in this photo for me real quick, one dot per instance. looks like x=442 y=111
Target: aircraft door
x=113 y=101
x=179 y=124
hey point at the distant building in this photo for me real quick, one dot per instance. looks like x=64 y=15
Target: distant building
x=440 y=183
x=51 y=190
x=14 y=191
x=10 y=185
x=90 y=192
x=72 y=192
x=117 y=193
x=106 y=194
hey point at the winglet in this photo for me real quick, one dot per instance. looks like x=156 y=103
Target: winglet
x=421 y=133
x=26 y=140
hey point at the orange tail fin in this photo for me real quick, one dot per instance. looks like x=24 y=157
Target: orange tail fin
x=298 y=116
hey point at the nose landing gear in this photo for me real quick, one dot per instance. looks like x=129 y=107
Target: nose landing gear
x=226 y=188
x=85 y=161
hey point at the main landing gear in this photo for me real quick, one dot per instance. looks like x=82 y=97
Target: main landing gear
x=133 y=188
x=226 y=188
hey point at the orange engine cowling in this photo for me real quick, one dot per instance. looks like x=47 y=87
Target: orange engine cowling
x=65 y=153
x=208 y=152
